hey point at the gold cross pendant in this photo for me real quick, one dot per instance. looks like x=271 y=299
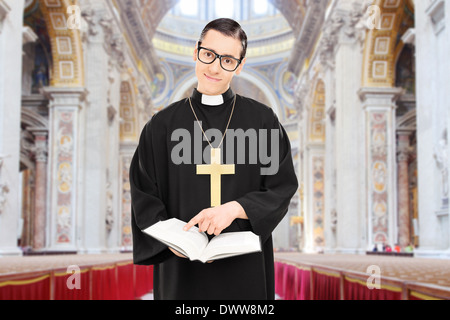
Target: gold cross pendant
x=215 y=170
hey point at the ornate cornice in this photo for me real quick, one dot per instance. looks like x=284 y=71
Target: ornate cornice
x=140 y=32
x=4 y=10
x=342 y=25
x=308 y=35
x=301 y=97
x=436 y=12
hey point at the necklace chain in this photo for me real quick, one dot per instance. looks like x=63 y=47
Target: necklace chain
x=201 y=128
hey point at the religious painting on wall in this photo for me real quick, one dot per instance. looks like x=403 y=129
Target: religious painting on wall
x=43 y=53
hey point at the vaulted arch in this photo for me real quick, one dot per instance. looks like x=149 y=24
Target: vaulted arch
x=31 y=119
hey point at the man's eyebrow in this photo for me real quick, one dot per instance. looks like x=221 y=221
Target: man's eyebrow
x=226 y=55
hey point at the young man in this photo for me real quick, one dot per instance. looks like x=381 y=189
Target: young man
x=166 y=181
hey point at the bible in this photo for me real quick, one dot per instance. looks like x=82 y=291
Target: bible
x=196 y=245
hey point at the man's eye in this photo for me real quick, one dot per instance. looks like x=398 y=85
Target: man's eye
x=228 y=61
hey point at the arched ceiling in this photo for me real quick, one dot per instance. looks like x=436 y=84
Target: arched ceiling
x=153 y=11
x=269 y=34
x=141 y=18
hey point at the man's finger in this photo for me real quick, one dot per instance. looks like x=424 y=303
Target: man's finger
x=192 y=223
x=204 y=225
x=211 y=229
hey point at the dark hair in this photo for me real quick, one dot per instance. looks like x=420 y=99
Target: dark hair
x=230 y=28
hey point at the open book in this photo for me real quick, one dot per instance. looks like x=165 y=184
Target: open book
x=196 y=245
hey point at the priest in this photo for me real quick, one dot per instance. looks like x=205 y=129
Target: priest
x=189 y=166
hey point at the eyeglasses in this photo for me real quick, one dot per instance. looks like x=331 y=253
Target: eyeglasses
x=207 y=56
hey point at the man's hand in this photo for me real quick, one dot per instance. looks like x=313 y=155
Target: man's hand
x=175 y=252
x=215 y=220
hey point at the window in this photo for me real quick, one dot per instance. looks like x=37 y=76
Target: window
x=240 y=10
x=188 y=8
x=224 y=9
x=260 y=7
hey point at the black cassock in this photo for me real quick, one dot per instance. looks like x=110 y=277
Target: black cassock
x=162 y=189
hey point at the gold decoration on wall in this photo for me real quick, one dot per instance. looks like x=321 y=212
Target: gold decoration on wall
x=128 y=113
x=383 y=44
x=67 y=69
x=317 y=114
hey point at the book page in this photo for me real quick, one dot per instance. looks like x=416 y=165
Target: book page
x=231 y=244
x=170 y=232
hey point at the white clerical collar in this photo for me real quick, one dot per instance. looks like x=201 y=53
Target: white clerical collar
x=215 y=100
x=212 y=100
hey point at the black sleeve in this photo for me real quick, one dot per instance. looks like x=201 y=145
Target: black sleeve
x=147 y=207
x=266 y=207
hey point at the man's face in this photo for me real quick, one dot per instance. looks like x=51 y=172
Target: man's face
x=212 y=79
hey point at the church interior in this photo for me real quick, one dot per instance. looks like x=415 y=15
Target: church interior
x=359 y=86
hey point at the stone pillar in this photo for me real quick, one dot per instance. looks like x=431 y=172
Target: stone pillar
x=404 y=223
x=40 y=193
x=348 y=141
x=98 y=193
x=65 y=105
x=379 y=107
x=11 y=28
x=315 y=196
x=432 y=27
x=127 y=150
x=446 y=90
x=330 y=179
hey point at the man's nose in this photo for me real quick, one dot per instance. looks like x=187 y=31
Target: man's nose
x=215 y=66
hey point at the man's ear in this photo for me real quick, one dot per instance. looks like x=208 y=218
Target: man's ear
x=195 y=53
x=241 y=66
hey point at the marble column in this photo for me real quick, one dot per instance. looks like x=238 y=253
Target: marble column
x=379 y=106
x=127 y=150
x=432 y=27
x=65 y=105
x=404 y=223
x=446 y=89
x=11 y=30
x=40 y=193
x=330 y=180
x=98 y=192
x=315 y=197
x=348 y=140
